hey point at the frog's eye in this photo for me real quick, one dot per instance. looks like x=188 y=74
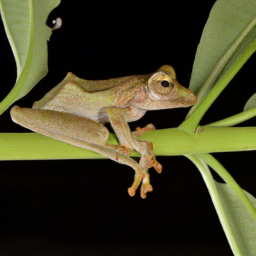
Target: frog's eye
x=165 y=83
x=160 y=84
x=164 y=86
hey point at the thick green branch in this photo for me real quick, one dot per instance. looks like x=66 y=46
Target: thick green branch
x=168 y=142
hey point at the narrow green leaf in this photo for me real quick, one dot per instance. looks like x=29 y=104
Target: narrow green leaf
x=241 y=221
x=239 y=207
x=25 y=25
x=190 y=124
x=211 y=186
x=228 y=34
x=251 y=103
x=228 y=31
x=237 y=219
x=223 y=173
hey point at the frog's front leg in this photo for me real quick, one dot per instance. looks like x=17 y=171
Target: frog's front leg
x=117 y=117
x=77 y=131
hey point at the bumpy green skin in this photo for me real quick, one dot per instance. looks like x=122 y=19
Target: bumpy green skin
x=76 y=109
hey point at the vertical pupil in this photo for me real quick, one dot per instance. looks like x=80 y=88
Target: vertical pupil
x=165 y=83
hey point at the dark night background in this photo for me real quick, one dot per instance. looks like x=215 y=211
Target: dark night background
x=81 y=207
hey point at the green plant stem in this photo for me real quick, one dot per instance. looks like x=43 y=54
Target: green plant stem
x=214 y=164
x=236 y=119
x=205 y=172
x=167 y=142
x=190 y=124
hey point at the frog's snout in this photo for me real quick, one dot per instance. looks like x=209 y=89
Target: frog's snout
x=185 y=98
x=191 y=98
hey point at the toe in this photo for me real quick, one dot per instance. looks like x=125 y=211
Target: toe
x=144 y=190
x=158 y=167
x=131 y=191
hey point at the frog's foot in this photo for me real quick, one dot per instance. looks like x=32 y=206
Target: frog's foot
x=139 y=131
x=144 y=179
x=148 y=160
x=136 y=183
x=145 y=185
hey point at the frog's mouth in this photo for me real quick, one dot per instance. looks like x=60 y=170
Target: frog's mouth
x=186 y=101
x=184 y=96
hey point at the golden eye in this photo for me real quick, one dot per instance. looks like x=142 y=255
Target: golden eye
x=164 y=86
x=160 y=85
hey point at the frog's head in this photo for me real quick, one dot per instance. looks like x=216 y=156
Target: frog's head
x=163 y=91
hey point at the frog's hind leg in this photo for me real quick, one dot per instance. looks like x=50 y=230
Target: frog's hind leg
x=77 y=131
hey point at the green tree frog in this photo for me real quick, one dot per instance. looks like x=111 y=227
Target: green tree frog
x=76 y=110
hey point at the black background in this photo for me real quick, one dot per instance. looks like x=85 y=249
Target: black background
x=82 y=207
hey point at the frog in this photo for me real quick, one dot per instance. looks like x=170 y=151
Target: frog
x=76 y=111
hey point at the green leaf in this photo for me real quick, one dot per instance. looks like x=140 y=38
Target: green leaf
x=251 y=103
x=223 y=173
x=237 y=217
x=28 y=34
x=227 y=33
x=241 y=222
x=227 y=42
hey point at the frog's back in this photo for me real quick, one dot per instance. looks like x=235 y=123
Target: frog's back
x=89 y=86
x=100 y=85
x=88 y=98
